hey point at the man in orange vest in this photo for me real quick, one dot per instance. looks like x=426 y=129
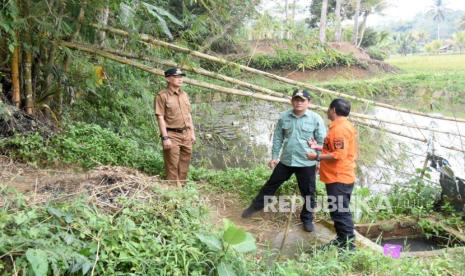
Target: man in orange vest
x=337 y=170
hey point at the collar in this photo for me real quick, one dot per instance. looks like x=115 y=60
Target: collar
x=338 y=121
x=171 y=92
x=291 y=113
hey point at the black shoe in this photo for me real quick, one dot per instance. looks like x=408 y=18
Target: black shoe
x=308 y=226
x=333 y=243
x=247 y=213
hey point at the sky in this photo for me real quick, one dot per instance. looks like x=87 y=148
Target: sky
x=407 y=9
x=398 y=9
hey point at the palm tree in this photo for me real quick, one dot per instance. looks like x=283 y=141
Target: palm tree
x=357 y=13
x=438 y=11
x=337 y=13
x=369 y=7
x=324 y=11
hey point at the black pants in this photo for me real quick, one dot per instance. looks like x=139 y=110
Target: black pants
x=339 y=200
x=281 y=173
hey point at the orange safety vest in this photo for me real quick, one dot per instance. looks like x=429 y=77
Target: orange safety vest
x=341 y=143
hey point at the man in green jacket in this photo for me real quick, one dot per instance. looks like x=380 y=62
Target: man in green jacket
x=294 y=128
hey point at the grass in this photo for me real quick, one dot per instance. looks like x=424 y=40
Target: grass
x=431 y=63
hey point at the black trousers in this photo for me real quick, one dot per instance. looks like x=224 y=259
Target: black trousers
x=305 y=179
x=338 y=203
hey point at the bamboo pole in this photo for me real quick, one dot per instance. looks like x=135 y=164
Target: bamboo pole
x=154 y=41
x=199 y=71
x=28 y=81
x=398 y=133
x=16 y=97
x=260 y=89
x=218 y=88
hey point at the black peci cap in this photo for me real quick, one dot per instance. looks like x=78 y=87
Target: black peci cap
x=174 y=72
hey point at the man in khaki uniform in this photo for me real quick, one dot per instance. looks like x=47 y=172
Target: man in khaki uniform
x=173 y=111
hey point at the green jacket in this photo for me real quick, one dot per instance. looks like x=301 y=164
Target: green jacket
x=291 y=135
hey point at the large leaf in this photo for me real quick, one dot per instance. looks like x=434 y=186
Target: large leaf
x=247 y=245
x=225 y=269
x=210 y=241
x=233 y=235
x=38 y=260
x=154 y=11
x=171 y=17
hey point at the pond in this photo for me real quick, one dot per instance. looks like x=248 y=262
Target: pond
x=239 y=134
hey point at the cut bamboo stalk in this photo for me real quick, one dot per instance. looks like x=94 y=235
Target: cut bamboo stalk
x=199 y=71
x=154 y=41
x=259 y=88
x=16 y=97
x=398 y=133
x=218 y=88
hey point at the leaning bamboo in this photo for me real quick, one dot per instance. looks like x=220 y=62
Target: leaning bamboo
x=154 y=41
x=161 y=73
x=216 y=87
x=398 y=133
x=260 y=89
x=16 y=97
x=199 y=71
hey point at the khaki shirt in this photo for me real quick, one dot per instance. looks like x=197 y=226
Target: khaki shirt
x=174 y=107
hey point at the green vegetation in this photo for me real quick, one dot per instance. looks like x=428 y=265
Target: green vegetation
x=431 y=63
x=156 y=236
x=86 y=145
x=319 y=57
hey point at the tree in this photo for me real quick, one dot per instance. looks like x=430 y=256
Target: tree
x=323 y=18
x=433 y=46
x=459 y=39
x=438 y=11
x=356 y=26
x=369 y=7
x=461 y=23
x=405 y=43
x=337 y=13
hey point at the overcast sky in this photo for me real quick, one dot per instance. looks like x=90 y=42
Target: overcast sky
x=407 y=9
x=398 y=9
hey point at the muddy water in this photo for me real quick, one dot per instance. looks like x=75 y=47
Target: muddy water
x=416 y=151
x=235 y=134
x=239 y=134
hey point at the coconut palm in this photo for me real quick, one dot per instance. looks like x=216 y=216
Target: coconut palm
x=369 y=7
x=324 y=11
x=438 y=12
x=338 y=20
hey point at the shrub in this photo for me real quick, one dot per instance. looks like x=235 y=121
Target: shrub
x=87 y=145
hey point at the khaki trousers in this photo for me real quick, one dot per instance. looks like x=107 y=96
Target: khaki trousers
x=178 y=157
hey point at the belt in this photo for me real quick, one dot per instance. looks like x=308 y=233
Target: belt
x=178 y=130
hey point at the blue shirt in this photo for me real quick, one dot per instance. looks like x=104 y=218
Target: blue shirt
x=291 y=135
